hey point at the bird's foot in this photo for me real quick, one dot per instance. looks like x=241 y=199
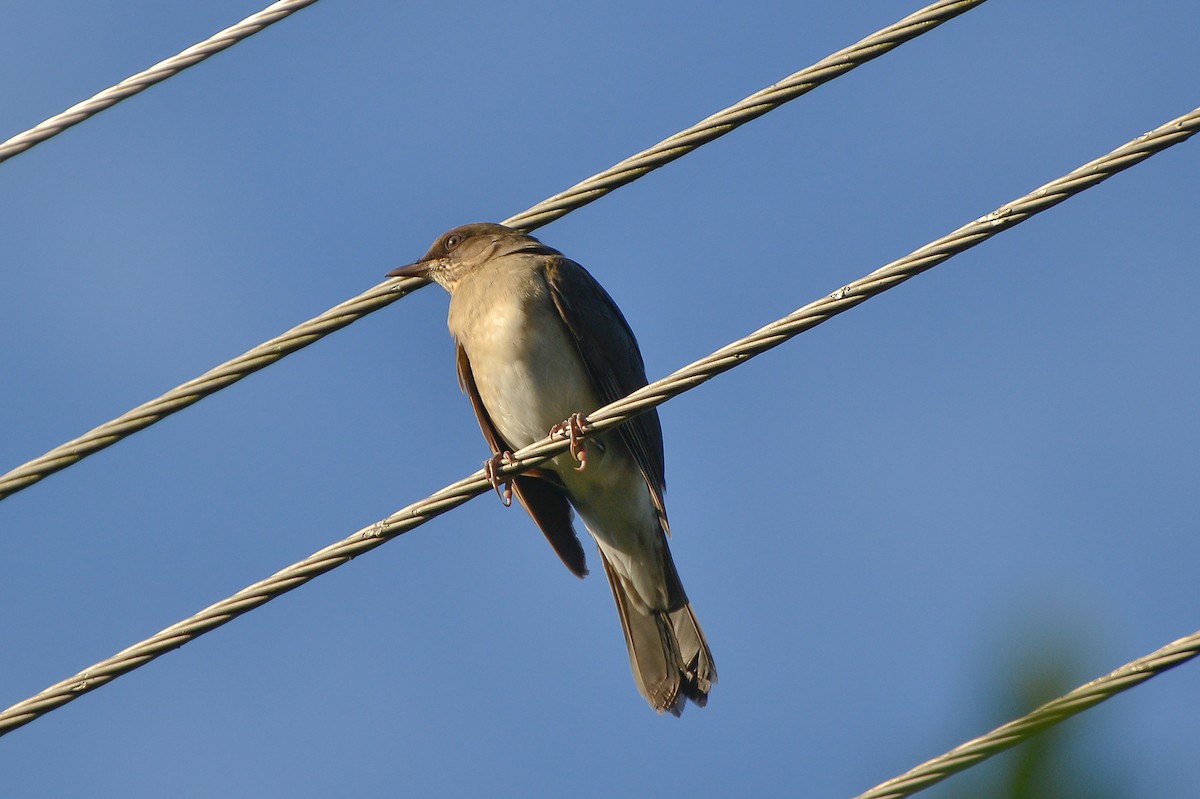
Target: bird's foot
x=572 y=428
x=491 y=468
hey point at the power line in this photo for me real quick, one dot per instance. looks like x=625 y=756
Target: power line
x=738 y=114
x=148 y=77
x=652 y=395
x=1009 y=735
x=391 y=290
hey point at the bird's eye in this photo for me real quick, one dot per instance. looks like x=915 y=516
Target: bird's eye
x=453 y=241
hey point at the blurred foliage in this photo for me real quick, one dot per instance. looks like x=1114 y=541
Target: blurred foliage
x=1068 y=761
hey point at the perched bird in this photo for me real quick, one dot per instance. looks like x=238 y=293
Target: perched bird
x=539 y=342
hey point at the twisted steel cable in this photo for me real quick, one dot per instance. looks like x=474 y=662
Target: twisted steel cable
x=393 y=289
x=738 y=114
x=148 y=77
x=1014 y=732
x=604 y=418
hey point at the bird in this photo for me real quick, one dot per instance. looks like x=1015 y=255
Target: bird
x=538 y=343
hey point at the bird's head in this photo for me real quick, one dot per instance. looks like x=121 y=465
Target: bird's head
x=466 y=248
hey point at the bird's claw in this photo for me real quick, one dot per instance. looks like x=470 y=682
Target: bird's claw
x=491 y=468
x=573 y=429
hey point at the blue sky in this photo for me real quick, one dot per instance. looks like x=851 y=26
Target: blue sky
x=990 y=468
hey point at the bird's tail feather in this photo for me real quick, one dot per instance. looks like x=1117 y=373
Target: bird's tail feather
x=668 y=653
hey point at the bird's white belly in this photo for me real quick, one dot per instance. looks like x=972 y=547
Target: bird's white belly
x=529 y=374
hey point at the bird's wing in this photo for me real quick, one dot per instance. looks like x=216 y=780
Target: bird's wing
x=542 y=497
x=613 y=360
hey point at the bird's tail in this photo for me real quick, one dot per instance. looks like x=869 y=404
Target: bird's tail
x=667 y=650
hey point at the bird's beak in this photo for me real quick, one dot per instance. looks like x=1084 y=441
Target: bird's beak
x=419 y=269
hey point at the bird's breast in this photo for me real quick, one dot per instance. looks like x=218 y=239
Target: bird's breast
x=526 y=366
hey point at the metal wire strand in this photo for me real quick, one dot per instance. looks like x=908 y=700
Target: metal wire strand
x=604 y=418
x=148 y=77
x=1009 y=735
x=393 y=289
x=738 y=114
